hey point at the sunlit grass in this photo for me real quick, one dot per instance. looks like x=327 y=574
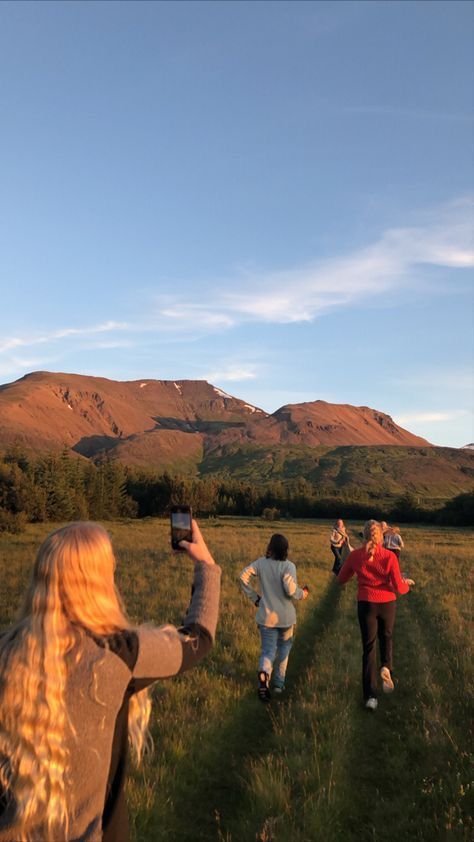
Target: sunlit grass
x=314 y=765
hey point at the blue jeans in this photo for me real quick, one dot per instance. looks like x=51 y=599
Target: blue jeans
x=276 y=645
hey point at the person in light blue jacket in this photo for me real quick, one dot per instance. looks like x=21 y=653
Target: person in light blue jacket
x=276 y=615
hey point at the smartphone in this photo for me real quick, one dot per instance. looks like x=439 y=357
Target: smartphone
x=181 y=525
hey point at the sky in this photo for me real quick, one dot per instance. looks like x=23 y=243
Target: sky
x=276 y=197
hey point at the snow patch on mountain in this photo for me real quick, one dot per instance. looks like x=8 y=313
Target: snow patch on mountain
x=252 y=408
x=221 y=393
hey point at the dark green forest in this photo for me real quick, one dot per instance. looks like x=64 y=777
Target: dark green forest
x=58 y=487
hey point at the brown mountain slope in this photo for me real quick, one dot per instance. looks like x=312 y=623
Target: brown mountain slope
x=48 y=410
x=161 y=422
x=319 y=423
x=358 y=425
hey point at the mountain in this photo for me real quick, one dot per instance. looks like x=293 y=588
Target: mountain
x=91 y=414
x=191 y=426
x=137 y=419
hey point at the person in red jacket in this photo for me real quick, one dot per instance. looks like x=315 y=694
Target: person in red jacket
x=379 y=580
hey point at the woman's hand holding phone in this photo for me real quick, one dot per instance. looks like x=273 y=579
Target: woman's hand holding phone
x=197 y=549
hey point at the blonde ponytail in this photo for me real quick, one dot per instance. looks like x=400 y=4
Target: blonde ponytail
x=373 y=536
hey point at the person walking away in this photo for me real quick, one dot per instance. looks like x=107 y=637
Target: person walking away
x=339 y=542
x=379 y=580
x=276 y=615
x=392 y=540
x=74 y=674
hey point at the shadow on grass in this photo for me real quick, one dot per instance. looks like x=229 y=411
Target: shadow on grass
x=207 y=805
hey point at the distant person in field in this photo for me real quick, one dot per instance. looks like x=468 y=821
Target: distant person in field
x=276 y=615
x=392 y=540
x=339 y=545
x=379 y=580
x=74 y=673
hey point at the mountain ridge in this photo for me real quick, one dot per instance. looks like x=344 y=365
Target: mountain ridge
x=133 y=419
x=192 y=428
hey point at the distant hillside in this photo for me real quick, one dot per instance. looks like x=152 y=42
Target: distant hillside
x=192 y=427
x=378 y=471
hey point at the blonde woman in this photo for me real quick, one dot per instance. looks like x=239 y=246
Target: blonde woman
x=339 y=542
x=74 y=674
x=392 y=540
x=379 y=580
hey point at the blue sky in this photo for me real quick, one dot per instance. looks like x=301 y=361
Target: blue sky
x=276 y=197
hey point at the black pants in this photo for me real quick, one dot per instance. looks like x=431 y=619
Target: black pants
x=337 y=553
x=376 y=619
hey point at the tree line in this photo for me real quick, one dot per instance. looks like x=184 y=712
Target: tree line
x=60 y=487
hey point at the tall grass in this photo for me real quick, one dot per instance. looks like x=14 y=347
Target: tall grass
x=314 y=766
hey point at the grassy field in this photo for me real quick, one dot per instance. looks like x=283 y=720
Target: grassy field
x=314 y=766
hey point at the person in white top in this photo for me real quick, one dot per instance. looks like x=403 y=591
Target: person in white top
x=392 y=540
x=276 y=615
x=340 y=546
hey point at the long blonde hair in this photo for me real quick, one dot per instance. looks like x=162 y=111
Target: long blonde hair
x=373 y=535
x=71 y=590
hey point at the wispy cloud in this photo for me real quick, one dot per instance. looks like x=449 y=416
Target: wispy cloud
x=429 y=417
x=458 y=379
x=300 y=294
x=188 y=315
x=443 y=238
x=14 y=366
x=107 y=344
x=13 y=342
x=231 y=373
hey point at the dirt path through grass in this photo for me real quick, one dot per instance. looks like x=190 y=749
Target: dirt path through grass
x=337 y=771
x=217 y=797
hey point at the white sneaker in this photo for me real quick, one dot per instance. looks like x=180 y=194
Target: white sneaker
x=388 y=685
x=278 y=690
x=371 y=703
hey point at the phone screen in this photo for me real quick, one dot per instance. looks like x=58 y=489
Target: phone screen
x=181 y=525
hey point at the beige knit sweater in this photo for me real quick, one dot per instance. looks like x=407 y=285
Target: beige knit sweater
x=278 y=587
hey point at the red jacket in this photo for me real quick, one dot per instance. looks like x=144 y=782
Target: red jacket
x=379 y=579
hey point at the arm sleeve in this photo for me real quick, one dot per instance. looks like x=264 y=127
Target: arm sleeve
x=335 y=537
x=244 y=579
x=396 y=580
x=164 y=651
x=401 y=542
x=346 y=572
x=290 y=584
